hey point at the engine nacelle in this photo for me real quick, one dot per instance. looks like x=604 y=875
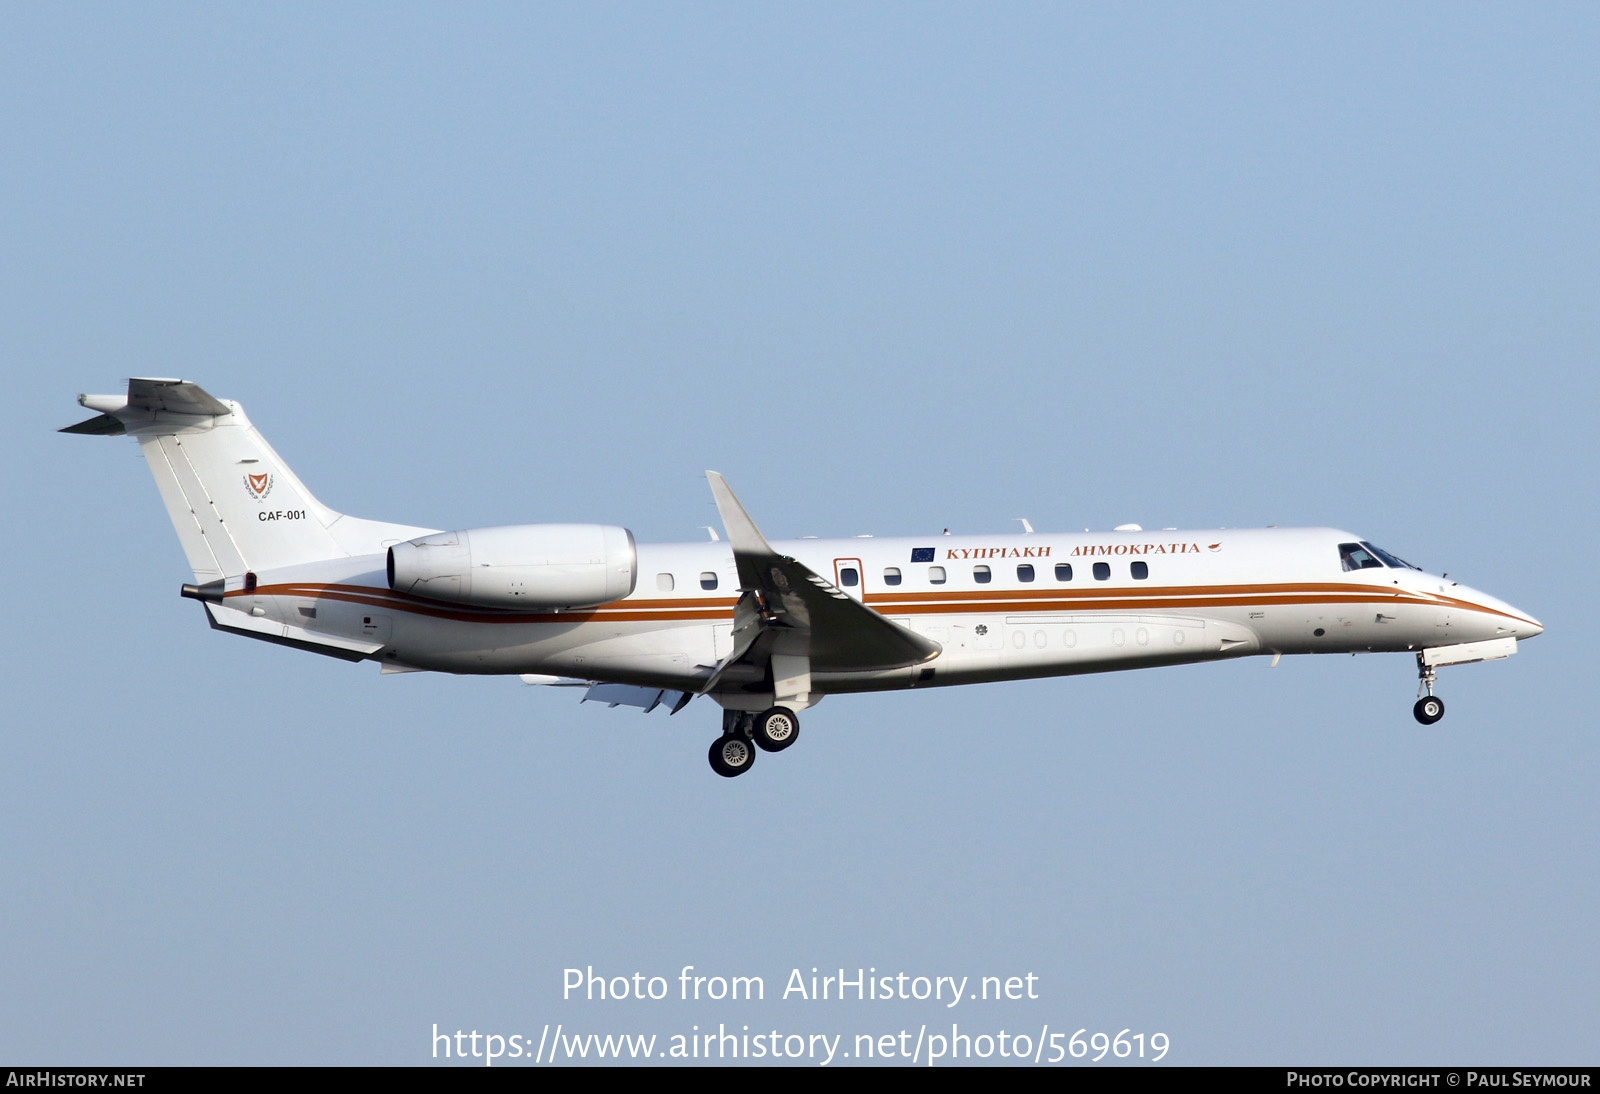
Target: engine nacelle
x=536 y=567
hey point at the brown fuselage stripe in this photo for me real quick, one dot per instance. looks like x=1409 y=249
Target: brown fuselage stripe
x=715 y=609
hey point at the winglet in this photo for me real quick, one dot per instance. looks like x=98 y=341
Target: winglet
x=743 y=535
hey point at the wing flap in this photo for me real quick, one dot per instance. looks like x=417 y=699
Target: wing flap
x=628 y=695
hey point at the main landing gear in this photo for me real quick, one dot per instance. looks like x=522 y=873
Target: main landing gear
x=1429 y=707
x=773 y=730
x=732 y=754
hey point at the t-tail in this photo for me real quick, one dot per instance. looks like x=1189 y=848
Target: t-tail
x=237 y=507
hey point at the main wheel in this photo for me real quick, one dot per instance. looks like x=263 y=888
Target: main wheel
x=776 y=729
x=731 y=755
x=1429 y=709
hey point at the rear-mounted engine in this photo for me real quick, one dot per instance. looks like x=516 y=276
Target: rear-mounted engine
x=535 y=567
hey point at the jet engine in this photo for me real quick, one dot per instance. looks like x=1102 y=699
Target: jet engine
x=535 y=567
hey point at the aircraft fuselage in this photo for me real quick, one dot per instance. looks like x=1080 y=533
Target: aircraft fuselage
x=1002 y=607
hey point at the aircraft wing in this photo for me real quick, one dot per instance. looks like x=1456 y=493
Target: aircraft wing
x=798 y=612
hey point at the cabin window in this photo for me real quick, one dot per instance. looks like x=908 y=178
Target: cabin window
x=981 y=574
x=891 y=575
x=1353 y=556
x=935 y=575
x=1140 y=570
x=1063 y=571
x=664 y=582
x=1025 y=572
x=849 y=577
x=1102 y=571
x=708 y=580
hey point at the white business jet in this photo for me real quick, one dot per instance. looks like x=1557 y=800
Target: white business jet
x=766 y=630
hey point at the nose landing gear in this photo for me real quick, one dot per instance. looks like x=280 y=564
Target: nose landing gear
x=1429 y=707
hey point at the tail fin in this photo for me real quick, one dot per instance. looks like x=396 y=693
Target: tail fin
x=236 y=506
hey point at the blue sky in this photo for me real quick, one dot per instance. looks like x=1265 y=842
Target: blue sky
x=890 y=269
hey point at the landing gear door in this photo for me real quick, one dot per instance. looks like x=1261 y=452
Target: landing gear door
x=849 y=575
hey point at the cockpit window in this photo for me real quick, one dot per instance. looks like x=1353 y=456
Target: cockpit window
x=1353 y=556
x=1397 y=563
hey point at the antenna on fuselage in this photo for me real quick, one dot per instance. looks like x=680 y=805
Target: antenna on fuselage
x=1027 y=529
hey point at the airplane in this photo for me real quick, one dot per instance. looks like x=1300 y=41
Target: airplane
x=766 y=630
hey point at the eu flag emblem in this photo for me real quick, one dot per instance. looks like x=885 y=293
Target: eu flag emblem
x=922 y=554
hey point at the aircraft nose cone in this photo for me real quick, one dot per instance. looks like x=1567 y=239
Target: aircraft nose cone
x=1518 y=622
x=1507 y=621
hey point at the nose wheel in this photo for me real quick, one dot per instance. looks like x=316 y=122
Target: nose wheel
x=1429 y=707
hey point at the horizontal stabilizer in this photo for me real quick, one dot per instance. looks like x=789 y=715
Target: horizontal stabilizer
x=101 y=425
x=149 y=402
x=174 y=397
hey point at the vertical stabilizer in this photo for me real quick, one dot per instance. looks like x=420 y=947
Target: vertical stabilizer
x=236 y=506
